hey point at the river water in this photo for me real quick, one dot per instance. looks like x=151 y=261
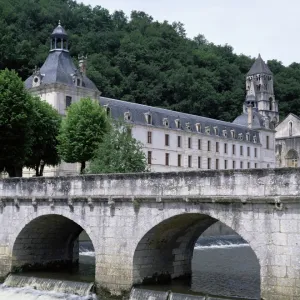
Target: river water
x=223 y=266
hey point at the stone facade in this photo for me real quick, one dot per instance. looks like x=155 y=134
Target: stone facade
x=144 y=226
x=288 y=142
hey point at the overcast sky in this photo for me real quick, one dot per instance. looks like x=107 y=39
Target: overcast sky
x=269 y=27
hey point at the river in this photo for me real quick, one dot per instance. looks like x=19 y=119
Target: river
x=223 y=266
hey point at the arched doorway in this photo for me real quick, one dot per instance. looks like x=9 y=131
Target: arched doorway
x=48 y=243
x=167 y=253
x=292 y=158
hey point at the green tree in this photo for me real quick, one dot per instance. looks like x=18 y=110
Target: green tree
x=81 y=131
x=45 y=124
x=15 y=120
x=119 y=152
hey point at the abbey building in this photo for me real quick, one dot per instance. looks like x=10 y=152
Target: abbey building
x=173 y=141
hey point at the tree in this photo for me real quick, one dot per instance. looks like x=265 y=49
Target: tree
x=119 y=152
x=15 y=130
x=45 y=124
x=81 y=131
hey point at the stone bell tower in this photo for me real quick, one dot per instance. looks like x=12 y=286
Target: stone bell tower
x=260 y=92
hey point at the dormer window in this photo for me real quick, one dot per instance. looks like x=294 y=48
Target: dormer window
x=37 y=77
x=188 y=126
x=178 y=124
x=241 y=136
x=207 y=129
x=198 y=127
x=148 y=118
x=233 y=134
x=225 y=133
x=127 y=116
x=254 y=139
x=247 y=136
x=216 y=130
x=166 y=122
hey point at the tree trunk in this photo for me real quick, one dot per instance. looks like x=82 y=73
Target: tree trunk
x=42 y=170
x=37 y=170
x=82 y=168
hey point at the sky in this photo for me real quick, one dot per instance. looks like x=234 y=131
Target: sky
x=268 y=27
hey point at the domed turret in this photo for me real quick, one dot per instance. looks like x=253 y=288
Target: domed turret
x=59 y=39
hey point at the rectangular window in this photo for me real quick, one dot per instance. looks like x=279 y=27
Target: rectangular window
x=179 y=160
x=149 y=157
x=255 y=165
x=225 y=164
x=248 y=151
x=68 y=101
x=209 y=163
x=267 y=142
x=208 y=145
x=178 y=141
x=225 y=148
x=167 y=159
x=217 y=164
x=189 y=143
x=217 y=146
x=233 y=164
x=149 y=138
x=255 y=152
x=241 y=150
x=199 y=162
x=167 y=138
x=199 y=144
x=190 y=161
x=233 y=149
x=248 y=165
x=241 y=165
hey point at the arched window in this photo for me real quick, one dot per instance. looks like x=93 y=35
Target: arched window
x=290 y=128
x=271 y=103
x=292 y=158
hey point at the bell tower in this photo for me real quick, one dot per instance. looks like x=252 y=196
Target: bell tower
x=260 y=92
x=59 y=39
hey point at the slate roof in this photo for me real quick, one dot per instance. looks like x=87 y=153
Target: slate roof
x=258 y=121
x=59 y=68
x=137 y=112
x=259 y=67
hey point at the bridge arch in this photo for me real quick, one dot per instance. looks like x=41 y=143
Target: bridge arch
x=47 y=241
x=165 y=251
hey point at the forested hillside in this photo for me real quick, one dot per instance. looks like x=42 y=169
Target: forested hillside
x=137 y=59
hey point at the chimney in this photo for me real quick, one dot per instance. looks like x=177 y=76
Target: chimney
x=250 y=115
x=82 y=64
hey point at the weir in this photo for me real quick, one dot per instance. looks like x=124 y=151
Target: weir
x=44 y=284
x=143 y=294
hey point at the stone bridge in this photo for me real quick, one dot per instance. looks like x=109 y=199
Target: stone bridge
x=144 y=226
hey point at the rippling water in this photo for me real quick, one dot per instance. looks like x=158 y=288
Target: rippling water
x=224 y=266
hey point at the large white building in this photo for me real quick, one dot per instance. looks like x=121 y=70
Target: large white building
x=173 y=141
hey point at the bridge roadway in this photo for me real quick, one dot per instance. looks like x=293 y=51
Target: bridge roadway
x=144 y=226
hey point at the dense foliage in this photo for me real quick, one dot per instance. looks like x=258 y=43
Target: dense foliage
x=119 y=152
x=28 y=128
x=81 y=131
x=45 y=125
x=138 y=59
x=15 y=123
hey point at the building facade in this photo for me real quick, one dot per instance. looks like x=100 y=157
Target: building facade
x=288 y=142
x=173 y=141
